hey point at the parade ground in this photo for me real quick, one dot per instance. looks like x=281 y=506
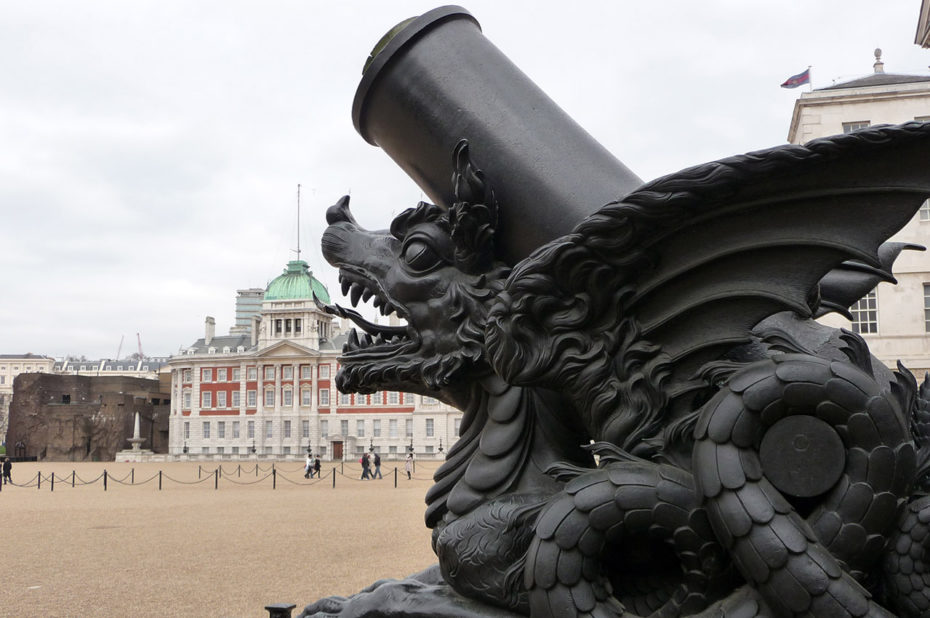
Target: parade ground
x=209 y=542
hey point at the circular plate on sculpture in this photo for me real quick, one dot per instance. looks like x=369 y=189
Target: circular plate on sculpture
x=802 y=456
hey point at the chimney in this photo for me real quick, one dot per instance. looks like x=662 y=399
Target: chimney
x=879 y=66
x=209 y=330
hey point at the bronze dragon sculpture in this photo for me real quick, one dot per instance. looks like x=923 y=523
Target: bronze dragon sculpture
x=654 y=424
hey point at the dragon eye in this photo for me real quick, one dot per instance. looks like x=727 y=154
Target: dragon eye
x=420 y=256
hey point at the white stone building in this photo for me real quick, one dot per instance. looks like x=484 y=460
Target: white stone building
x=268 y=391
x=894 y=319
x=11 y=365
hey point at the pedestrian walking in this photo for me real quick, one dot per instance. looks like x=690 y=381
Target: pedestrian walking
x=408 y=465
x=7 y=470
x=308 y=467
x=316 y=467
x=366 y=472
x=377 y=472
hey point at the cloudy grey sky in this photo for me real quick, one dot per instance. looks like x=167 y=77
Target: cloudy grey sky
x=150 y=150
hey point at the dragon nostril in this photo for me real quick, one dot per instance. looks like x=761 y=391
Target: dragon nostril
x=339 y=212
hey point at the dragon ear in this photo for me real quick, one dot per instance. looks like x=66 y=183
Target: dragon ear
x=473 y=216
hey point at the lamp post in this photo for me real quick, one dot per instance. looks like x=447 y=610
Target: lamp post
x=440 y=445
x=371 y=445
x=253 y=446
x=185 y=447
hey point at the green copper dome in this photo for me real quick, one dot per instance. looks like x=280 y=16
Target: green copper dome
x=296 y=283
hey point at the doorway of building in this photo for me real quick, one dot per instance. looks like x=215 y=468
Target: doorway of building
x=337 y=451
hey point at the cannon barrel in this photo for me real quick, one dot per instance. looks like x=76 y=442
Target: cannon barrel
x=435 y=80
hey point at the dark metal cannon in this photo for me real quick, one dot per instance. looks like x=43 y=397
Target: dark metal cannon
x=435 y=80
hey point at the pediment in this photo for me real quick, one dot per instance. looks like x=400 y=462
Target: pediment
x=286 y=349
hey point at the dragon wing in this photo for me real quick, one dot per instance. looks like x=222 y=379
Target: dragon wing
x=691 y=262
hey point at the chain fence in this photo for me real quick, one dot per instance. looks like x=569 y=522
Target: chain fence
x=254 y=475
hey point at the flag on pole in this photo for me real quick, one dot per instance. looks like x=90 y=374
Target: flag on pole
x=797 y=80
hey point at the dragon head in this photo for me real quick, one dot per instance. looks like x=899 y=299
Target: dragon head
x=435 y=269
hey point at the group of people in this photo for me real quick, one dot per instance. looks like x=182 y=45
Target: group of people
x=311 y=467
x=367 y=462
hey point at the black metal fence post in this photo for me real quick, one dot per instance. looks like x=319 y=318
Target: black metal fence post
x=216 y=479
x=52 y=488
x=159 y=480
x=274 y=477
x=395 y=477
x=334 y=478
x=132 y=476
x=72 y=478
x=39 y=481
x=198 y=471
x=104 y=480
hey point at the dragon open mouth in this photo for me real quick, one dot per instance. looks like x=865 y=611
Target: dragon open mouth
x=376 y=339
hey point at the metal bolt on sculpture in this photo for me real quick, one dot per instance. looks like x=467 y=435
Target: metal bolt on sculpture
x=654 y=424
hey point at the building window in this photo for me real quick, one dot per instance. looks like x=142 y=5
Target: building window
x=865 y=314
x=376 y=428
x=269 y=373
x=393 y=398
x=268 y=429
x=186 y=400
x=220 y=450
x=287 y=429
x=429 y=449
x=205 y=450
x=287 y=450
x=360 y=428
x=206 y=430
x=324 y=428
x=304 y=429
x=927 y=307
x=185 y=375
x=430 y=401
x=206 y=400
x=251 y=399
x=392 y=428
x=288 y=398
x=278 y=326
x=305 y=372
x=220 y=375
x=429 y=428
x=287 y=372
x=235 y=399
x=345 y=399
x=408 y=427
x=251 y=430
x=849 y=127
x=324 y=371
x=306 y=396
x=221 y=429
x=344 y=427
x=236 y=375
x=235 y=450
x=324 y=396
x=297 y=326
x=221 y=399
x=392 y=450
x=187 y=430
x=924 y=212
x=235 y=429
x=251 y=373
x=269 y=398
x=457 y=425
x=206 y=376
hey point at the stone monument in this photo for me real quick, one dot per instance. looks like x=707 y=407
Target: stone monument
x=654 y=424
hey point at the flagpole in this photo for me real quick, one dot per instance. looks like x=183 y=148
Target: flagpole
x=810 y=79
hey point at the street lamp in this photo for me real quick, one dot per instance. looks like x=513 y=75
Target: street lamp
x=185 y=447
x=253 y=446
x=371 y=445
x=440 y=445
x=410 y=448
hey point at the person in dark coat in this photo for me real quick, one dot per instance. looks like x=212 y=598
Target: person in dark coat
x=7 y=469
x=377 y=472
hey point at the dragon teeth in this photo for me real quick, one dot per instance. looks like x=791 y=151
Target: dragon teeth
x=346 y=284
x=353 y=339
x=366 y=294
x=355 y=294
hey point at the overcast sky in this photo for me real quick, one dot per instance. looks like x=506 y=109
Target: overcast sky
x=150 y=151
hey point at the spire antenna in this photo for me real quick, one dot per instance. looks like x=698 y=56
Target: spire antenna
x=298 y=221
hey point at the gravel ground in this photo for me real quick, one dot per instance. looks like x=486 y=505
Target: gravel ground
x=189 y=549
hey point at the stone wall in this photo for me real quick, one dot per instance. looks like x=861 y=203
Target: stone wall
x=86 y=418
